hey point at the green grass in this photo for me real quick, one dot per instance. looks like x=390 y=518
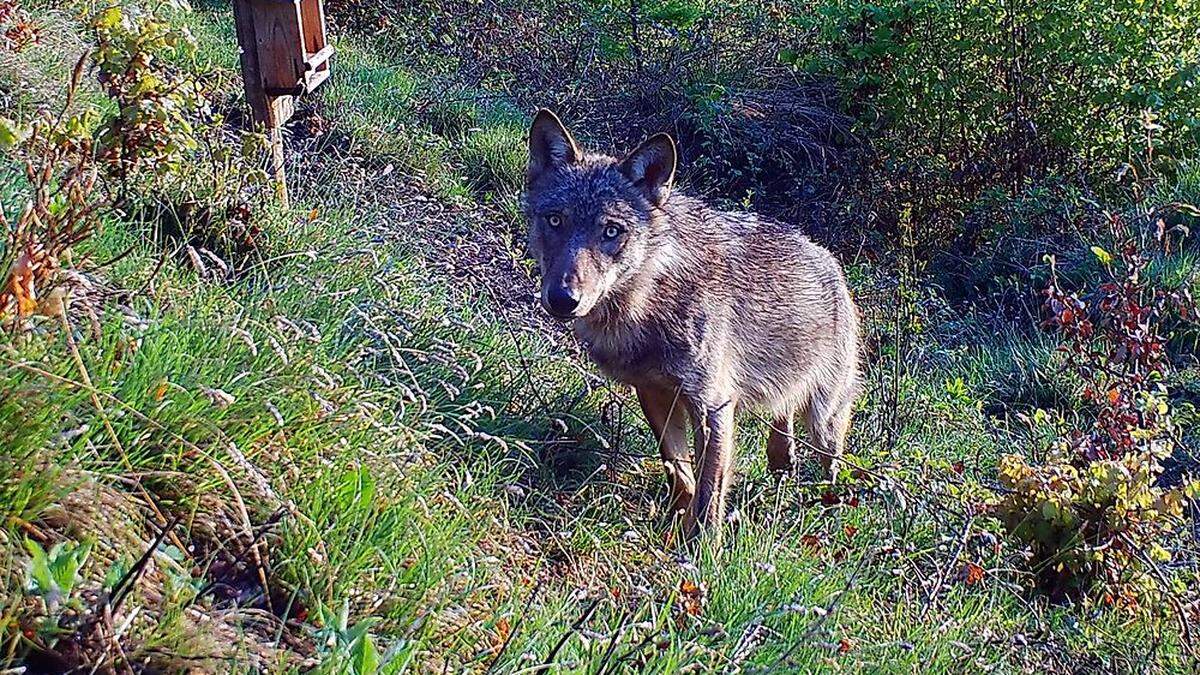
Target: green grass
x=382 y=105
x=417 y=459
x=36 y=77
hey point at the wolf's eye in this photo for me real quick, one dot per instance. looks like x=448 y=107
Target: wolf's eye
x=612 y=232
x=554 y=220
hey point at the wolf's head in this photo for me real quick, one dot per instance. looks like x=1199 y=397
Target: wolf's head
x=592 y=218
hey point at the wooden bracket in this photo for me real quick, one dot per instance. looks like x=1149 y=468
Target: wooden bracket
x=285 y=53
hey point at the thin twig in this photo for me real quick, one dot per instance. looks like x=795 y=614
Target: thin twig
x=587 y=614
x=125 y=583
x=516 y=627
x=87 y=381
x=162 y=260
x=612 y=643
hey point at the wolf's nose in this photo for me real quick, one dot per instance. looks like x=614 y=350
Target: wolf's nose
x=562 y=301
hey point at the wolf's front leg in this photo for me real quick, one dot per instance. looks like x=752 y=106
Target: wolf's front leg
x=665 y=411
x=714 y=427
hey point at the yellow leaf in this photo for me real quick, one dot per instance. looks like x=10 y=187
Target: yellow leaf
x=503 y=630
x=1192 y=490
x=1159 y=553
x=20 y=285
x=11 y=133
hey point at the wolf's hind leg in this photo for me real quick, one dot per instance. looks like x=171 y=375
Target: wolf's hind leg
x=781 y=443
x=665 y=411
x=828 y=422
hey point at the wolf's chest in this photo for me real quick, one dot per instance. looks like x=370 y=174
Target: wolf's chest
x=633 y=358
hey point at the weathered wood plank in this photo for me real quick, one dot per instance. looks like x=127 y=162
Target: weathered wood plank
x=280 y=44
x=318 y=61
x=243 y=18
x=316 y=78
x=312 y=13
x=283 y=52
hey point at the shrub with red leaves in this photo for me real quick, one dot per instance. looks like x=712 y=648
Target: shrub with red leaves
x=1096 y=521
x=1114 y=344
x=17 y=28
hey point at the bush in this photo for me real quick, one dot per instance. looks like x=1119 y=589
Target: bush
x=750 y=126
x=156 y=105
x=1093 y=514
x=992 y=90
x=1095 y=528
x=62 y=207
x=839 y=115
x=159 y=145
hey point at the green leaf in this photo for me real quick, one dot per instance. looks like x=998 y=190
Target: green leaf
x=364 y=656
x=12 y=134
x=173 y=553
x=67 y=565
x=108 y=19
x=115 y=573
x=41 y=580
x=1103 y=256
x=358 y=633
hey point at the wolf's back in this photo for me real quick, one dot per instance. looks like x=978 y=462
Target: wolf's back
x=775 y=299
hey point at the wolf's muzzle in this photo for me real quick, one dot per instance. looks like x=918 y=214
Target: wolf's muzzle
x=562 y=301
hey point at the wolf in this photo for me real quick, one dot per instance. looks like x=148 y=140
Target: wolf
x=703 y=312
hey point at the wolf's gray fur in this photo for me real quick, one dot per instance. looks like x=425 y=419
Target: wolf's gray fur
x=702 y=311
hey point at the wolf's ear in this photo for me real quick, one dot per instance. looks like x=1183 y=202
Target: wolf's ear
x=651 y=167
x=550 y=145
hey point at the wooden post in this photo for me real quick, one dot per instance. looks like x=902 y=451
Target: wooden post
x=284 y=53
